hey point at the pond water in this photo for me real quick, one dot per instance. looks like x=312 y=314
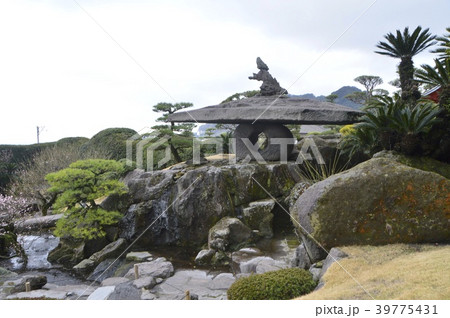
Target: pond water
x=37 y=248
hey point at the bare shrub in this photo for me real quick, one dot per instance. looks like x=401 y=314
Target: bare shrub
x=29 y=180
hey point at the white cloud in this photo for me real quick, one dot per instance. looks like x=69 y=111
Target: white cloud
x=60 y=70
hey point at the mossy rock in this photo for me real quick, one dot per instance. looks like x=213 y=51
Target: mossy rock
x=67 y=253
x=8 y=239
x=4 y=273
x=276 y=285
x=422 y=163
x=380 y=201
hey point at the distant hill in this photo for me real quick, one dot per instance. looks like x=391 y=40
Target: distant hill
x=341 y=93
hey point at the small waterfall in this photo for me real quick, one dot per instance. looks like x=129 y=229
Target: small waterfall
x=160 y=208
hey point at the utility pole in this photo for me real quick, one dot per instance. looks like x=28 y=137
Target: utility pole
x=38 y=132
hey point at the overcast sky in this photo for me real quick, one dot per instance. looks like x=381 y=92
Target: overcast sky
x=77 y=67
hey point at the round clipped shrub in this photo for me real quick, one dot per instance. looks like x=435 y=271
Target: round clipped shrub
x=276 y=285
x=111 y=142
x=347 y=130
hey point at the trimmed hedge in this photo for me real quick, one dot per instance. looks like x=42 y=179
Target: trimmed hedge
x=19 y=154
x=24 y=153
x=276 y=285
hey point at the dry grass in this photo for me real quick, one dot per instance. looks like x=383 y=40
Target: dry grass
x=397 y=271
x=221 y=156
x=217 y=157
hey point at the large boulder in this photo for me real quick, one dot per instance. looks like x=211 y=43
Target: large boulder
x=380 y=201
x=228 y=234
x=67 y=253
x=105 y=269
x=182 y=205
x=159 y=268
x=204 y=256
x=258 y=216
x=70 y=252
x=110 y=251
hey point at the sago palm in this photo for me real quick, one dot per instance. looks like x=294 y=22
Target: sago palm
x=404 y=46
x=379 y=118
x=437 y=76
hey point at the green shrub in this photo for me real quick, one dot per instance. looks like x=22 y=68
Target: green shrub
x=276 y=285
x=72 y=141
x=77 y=190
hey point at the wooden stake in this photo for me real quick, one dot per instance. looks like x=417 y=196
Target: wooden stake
x=27 y=286
x=136 y=271
x=188 y=295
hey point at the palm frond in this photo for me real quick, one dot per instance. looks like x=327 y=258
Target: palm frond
x=444 y=46
x=437 y=75
x=406 y=44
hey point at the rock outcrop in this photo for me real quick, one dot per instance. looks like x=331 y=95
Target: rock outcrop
x=182 y=205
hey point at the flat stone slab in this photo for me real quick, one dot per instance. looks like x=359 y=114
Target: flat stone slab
x=126 y=291
x=222 y=281
x=40 y=294
x=282 y=110
x=5 y=274
x=261 y=265
x=71 y=290
x=144 y=282
x=197 y=282
x=37 y=223
x=139 y=257
x=113 y=281
x=102 y=293
x=147 y=295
